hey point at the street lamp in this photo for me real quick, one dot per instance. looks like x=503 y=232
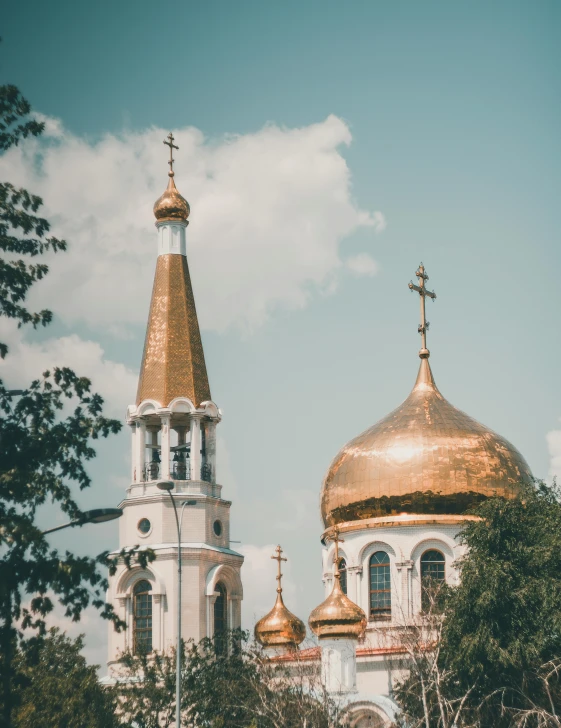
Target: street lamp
x=168 y=486
x=97 y=515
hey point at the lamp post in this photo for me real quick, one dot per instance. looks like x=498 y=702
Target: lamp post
x=97 y=515
x=168 y=486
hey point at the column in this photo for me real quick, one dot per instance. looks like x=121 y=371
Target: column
x=140 y=450
x=210 y=434
x=165 y=444
x=353 y=573
x=210 y=615
x=235 y=614
x=157 y=643
x=195 y=447
x=154 y=466
x=404 y=568
x=133 y=453
x=338 y=665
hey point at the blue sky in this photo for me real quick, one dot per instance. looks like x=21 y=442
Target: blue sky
x=453 y=110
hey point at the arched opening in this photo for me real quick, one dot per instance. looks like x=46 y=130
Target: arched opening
x=142 y=617
x=343 y=573
x=380 y=586
x=433 y=575
x=220 y=619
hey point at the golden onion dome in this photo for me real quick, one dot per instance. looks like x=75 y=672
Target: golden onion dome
x=280 y=628
x=337 y=616
x=425 y=457
x=171 y=205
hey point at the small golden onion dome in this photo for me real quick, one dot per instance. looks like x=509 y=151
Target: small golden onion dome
x=337 y=616
x=280 y=628
x=171 y=205
x=425 y=457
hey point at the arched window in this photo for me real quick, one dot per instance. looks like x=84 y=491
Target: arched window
x=380 y=586
x=433 y=574
x=343 y=572
x=142 y=617
x=220 y=619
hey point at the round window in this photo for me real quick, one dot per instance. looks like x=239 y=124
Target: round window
x=144 y=526
x=217 y=528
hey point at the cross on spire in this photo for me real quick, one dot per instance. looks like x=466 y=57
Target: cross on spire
x=334 y=536
x=279 y=558
x=421 y=289
x=170 y=139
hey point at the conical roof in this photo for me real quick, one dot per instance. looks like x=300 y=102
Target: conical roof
x=173 y=363
x=425 y=457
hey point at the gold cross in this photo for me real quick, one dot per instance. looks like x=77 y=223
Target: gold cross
x=170 y=139
x=334 y=536
x=279 y=558
x=423 y=293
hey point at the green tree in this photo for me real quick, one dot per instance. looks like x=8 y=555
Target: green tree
x=499 y=647
x=46 y=439
x=23 y=234
x=58 y=689
x=237 y=688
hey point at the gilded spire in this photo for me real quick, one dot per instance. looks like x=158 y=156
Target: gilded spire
x=173 y=363
x=280 y=628
x=421 y=289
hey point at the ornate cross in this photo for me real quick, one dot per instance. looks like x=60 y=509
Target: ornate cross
x=423 y=293
x=170 y=139
x=279 y=558
x=334 y=536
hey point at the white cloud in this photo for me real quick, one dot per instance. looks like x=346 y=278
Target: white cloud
x=269 y=212
x=27 y=361
x=259 y=584
x=362 y=264
x=554 y=447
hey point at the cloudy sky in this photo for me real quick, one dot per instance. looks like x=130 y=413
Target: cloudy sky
x=325 y=149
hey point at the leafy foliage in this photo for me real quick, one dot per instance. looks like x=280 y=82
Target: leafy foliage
x=239 y=688
x=499 y=647
x=22 y=231
x=58 y=689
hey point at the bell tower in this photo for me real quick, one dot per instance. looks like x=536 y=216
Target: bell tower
x=173 y=453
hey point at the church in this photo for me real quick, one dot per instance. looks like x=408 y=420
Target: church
x=393 y=503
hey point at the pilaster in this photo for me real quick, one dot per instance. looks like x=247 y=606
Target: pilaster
x=195 y=446
x=165 y=446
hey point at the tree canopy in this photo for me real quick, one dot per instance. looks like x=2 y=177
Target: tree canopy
x=23 y=233
x=235 y=688
x=499 y=646
x=57 y=688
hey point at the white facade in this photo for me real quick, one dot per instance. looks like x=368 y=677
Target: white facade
x=404 y=539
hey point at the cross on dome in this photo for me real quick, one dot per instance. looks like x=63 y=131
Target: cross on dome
x=170 y=139
x=335 y=537
x=278 y=558
x=421 y=289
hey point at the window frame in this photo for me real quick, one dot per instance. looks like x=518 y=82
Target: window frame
x=142 y=631
x=438 y=579
x=380 y=613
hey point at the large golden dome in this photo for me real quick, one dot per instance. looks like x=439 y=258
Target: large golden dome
x=425 y=457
